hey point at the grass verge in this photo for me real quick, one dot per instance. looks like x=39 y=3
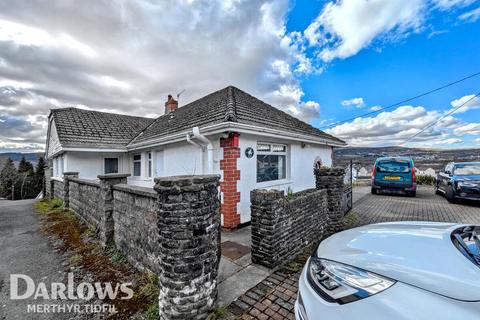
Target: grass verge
x=104 y=264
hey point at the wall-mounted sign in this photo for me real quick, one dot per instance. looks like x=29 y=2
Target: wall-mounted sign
x=249 y=152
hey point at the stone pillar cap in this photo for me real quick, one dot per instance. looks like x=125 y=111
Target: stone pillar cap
x=113 y=176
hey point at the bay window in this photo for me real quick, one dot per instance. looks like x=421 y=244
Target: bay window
x=271 y=162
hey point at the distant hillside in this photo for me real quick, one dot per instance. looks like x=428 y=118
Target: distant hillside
x=423 y=158
x=17 y=156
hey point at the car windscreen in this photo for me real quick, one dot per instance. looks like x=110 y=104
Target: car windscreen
x=393 y=166
x=467 y=169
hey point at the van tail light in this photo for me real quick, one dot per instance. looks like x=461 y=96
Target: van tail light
x=374 y=171
x=414 y=177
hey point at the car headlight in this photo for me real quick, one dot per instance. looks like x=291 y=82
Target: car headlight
x=340 y=283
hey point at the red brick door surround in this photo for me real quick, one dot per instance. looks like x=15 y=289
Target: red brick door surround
x=228 y=186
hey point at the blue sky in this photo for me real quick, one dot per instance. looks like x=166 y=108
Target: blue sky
x=321 y=61
x=444 y=50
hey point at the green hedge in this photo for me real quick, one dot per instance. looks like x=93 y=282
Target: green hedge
x=426 y=180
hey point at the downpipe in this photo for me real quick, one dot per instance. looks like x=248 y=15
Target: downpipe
x=204 y=143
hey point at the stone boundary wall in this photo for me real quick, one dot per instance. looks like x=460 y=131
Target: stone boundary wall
x=283 y=225
x=135 y=225
x=172 y=230
x=332 y=180
x=57 y=188
x=189 y=237
x=84 y=199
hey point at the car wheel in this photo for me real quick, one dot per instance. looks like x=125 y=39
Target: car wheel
x=449 y=194
x=413 y=193
x=374 y=191
x=437 y=191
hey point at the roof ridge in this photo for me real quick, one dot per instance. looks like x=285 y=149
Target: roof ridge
x=55 y=110
x=231 y=114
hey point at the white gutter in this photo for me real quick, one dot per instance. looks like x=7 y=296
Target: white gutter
x=204 y=144
x=243 y=128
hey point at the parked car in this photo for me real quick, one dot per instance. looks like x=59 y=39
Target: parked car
x=400 y=270
x=394 y=174
x=459 y=180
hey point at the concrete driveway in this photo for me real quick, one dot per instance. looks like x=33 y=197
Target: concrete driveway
x=23 y=250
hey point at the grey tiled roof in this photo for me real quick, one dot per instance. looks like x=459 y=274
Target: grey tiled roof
x=227 y=105
x=77 y=127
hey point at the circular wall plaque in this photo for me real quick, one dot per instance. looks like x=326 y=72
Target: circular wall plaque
x=249 y=152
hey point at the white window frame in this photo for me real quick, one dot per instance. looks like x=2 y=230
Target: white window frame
x=149 y=161
x=133 y=165
x=271 y=152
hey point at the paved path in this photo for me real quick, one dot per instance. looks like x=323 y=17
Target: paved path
x=24 y=250
x=274 y=297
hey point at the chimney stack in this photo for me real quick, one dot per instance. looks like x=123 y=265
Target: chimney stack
x=171 y=104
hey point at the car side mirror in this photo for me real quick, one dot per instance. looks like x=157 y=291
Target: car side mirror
x=448 y=172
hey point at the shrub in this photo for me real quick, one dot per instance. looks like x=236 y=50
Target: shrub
x=426 y=180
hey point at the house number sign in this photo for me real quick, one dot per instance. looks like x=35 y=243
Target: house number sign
x=249 y=152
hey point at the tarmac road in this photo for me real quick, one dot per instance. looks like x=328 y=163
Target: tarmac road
x=23 y=250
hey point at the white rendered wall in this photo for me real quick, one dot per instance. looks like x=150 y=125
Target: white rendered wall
x=181 y=158
x=300 y=163
x=90 y=164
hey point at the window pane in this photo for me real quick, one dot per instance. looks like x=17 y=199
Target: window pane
x=137 y=157
x=149 y=168
x=111 y=165
x=263 y=147
x=136 y=169
x=279 y=148
x=271 y=167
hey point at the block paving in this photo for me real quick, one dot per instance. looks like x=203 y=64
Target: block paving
x=274 y=298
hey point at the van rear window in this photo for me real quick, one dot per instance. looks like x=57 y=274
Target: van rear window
x=391 y=166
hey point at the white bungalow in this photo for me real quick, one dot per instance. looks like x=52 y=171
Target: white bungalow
x=229 y=132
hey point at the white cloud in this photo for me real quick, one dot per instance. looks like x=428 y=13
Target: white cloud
x=398 y=126
x=470 y=128
x=127 y=57
x=471 y=16
x=375 y=108
x=466 y=103
x=449 y=141
x=448 y=4
x=477 y=140
x=345 y=27
x=356 y=102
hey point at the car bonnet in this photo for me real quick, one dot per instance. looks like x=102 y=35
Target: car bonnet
x=419 y=254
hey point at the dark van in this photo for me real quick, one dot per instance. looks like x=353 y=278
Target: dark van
x=394 y=174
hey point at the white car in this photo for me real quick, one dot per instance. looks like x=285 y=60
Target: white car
x=401 y=270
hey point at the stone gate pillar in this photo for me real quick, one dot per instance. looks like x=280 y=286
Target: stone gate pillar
x=189 y=239
x=331 y=179
x=66 y=187
x=107 y=181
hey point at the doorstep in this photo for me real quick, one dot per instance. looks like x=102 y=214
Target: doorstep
x=236 y=273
